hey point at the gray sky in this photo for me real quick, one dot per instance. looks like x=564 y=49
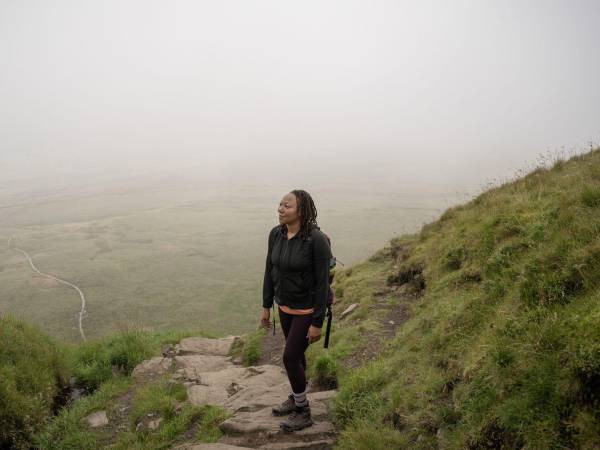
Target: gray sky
x=436 y=92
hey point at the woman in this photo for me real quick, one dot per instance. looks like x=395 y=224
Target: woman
x=297 y=279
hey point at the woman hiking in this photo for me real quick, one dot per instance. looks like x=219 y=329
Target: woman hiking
x=296 y=278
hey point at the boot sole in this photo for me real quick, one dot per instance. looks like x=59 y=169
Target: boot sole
x=288 y=429
x=281 y=413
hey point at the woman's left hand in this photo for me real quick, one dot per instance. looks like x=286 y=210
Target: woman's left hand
x=314 y=334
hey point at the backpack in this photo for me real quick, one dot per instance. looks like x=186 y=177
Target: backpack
x=331 y=294
x=332 y=264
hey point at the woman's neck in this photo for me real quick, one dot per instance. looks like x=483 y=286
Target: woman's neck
x=293 y=228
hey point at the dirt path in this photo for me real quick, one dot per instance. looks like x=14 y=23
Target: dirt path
x=67 y=283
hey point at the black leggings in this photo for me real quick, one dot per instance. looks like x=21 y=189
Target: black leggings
x=295 y=329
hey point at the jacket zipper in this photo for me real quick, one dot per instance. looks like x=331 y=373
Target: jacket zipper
x=287 y=243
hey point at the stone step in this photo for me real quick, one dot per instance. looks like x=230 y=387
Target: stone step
x=321 y=444
x=237 y=387
x=264 y=422
x=205 y=346
x=208 y=447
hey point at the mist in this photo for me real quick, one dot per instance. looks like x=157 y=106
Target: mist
x=423 y=94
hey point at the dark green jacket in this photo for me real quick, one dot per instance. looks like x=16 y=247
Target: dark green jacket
x=297 y=271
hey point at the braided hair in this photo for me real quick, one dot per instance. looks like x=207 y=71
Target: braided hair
x=307 y=211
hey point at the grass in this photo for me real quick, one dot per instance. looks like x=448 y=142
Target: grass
x=32 y=371
x=95 y=362
x=165 y=399
x=501 y=349
x=67 y=430
x=248 y=348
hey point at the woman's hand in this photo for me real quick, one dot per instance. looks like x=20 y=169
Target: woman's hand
x=264 y=318
x=314 y=334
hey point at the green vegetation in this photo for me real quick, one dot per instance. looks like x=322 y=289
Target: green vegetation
x=248 y=348
x=68 y=431
x=208 y=426
x=32 y=371
x=500 y=349
x=95 y=362
x=162 y=399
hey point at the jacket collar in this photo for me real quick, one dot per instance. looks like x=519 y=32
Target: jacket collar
x=283 y=230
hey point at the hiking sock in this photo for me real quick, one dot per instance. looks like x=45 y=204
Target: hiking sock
x=300 y=399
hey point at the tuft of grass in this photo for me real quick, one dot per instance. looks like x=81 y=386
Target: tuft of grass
x=160 y=399
x=591 y=197
x=94 y=362
x=208 y=425
x=249 y=347
x=326 y=371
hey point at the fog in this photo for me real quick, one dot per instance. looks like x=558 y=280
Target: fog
x=433 y=95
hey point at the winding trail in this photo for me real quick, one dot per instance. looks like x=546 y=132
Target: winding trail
x=35 y=269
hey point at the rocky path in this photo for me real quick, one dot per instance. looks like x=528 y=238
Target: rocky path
x=248 y=393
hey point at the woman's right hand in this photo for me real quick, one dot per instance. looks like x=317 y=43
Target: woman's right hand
x=264 y=318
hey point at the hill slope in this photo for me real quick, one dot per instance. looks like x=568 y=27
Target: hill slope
x=480 y=332
x=501 y=347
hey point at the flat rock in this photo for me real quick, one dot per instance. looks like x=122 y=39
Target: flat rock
x=321 y=395
x=319 y=444
x=151 y=368
x=252 y=398
x=192 y=365
x=208 y=447
x=263 y=421
x=205 y=346
x=217 y=387
x=96 y=419
x=200 y=395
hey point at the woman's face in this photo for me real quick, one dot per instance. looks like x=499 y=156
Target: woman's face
x=288 y=209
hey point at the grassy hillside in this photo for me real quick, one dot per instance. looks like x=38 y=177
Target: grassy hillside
x=501 y=347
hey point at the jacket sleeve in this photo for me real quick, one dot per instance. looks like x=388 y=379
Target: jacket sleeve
x=268 y=292
x=321 y=258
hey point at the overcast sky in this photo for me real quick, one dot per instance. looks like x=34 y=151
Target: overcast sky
x=452 y=92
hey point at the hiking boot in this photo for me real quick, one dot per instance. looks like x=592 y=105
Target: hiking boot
x=298 y=419
x=285 y=408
